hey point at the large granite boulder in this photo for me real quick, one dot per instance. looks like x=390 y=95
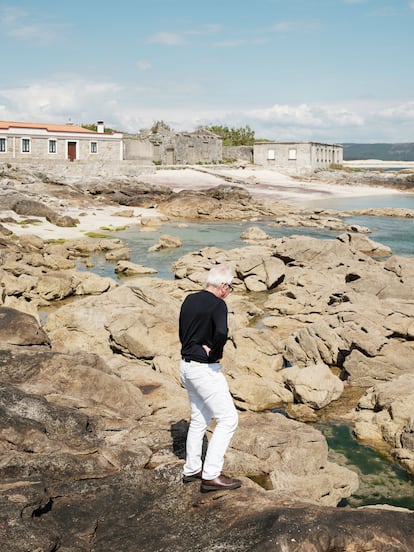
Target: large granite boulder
x=18 y=328
x=386 y=413
x=315 y=386
x=34 y=208
x=293 y=455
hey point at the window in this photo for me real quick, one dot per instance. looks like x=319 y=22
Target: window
x=25 y=145
x=271 y=155
x=94 y=147
x=2 y=145
x=292 y=154
x=52 y=146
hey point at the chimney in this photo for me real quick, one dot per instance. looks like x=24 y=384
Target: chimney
x=100 y=127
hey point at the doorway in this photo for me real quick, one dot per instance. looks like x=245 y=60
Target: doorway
x=71 y=151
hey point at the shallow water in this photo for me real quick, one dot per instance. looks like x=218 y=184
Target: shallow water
x=396 y=233
x=381 y=481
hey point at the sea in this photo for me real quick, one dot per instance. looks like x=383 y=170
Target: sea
x=382 y=481
x=396 y=233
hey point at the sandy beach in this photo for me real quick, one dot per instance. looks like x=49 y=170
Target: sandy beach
x=261 y=183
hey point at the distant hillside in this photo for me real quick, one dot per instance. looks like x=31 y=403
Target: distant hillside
x=386 y=152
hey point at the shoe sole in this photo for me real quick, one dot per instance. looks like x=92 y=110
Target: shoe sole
x=190 y=479
x=208 y=488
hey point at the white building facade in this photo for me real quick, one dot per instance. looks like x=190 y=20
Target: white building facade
x=297 y=156
x=21 y=141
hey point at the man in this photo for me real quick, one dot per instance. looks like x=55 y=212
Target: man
x=203 y=330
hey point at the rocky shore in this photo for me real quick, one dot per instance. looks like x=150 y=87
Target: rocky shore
x=93 y=415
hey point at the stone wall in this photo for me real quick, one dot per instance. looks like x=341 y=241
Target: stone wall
x=82 y=169
x=238 y=153
x=198 y=147
x=141 y=151
x=182 y=148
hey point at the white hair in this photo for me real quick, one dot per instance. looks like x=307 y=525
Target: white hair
x=220 y=274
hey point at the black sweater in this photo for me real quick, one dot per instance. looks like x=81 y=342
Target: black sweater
x=203 y=321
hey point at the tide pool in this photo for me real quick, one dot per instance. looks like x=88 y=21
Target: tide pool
x=381 y=480
x=396 y=233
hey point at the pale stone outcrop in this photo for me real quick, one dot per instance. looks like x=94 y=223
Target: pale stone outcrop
x=166 y=242
x=132 y=269
x=361 y=243
x=128 y=319
x=386 y=412
x=19 y=328
x=258 y=394
x=254 y=233
x=119 y=254
x=31 y=242
x=295 y=457
x=315 y=385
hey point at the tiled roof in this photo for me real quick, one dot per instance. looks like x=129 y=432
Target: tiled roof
x=6 y=125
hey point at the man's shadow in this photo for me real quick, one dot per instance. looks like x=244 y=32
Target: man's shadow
x=179 y=432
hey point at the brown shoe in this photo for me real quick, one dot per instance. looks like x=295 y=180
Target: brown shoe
x=220 y=483
x=193 y=477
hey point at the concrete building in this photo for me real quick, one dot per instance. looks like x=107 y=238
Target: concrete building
x=21 y=141
x=297 y=156
x=182 y=148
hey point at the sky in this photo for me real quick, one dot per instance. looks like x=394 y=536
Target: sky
x=304 y=70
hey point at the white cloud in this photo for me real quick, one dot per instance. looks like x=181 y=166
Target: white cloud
x=9 y=15
x=143 y=65
x=58 y=99
x=362 y=122
x=178 y=38
x=170 y=39
x=207 y=29
x=61 y=97
x=295 y=26
x=411 y=4
x=229 y=43
x=19 y=24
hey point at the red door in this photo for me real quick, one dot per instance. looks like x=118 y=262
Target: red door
x=71 y=151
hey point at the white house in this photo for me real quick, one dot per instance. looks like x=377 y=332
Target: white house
x=39 y=141
x=297 y=156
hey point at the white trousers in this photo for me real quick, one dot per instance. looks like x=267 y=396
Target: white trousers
x=210 y=398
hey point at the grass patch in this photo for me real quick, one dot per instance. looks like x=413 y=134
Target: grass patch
x=25 y=223
x=96 y=235
x=334 y=167
x=121 y=228
x=58 y=241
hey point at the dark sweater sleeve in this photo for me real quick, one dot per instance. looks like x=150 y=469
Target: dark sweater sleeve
x=220 y=331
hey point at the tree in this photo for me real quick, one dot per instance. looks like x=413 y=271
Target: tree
x=243 y=136
x=94 y=128
x=159 y=126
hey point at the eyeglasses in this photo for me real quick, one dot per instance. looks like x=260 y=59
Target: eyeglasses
x=228 y=286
